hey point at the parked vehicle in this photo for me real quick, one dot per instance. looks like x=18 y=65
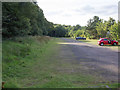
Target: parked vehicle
x=107 y=41
x=80 y=38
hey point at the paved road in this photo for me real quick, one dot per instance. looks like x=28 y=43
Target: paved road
x=95 y=60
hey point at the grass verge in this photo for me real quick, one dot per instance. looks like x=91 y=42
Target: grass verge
x=19 y=56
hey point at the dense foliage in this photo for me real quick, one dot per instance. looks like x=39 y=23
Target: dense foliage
x=23 y=18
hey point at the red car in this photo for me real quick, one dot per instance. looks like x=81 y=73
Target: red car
x=107 y=41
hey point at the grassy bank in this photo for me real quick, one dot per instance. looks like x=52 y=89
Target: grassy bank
x=19 y=57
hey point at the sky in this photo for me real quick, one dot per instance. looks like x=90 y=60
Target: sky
x=72 y=12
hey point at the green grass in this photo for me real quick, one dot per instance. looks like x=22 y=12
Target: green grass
x=19 y=56
x=35 y=63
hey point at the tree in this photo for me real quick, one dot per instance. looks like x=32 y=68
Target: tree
x=114 y=31
x=79 y=33
x=101 y=29
x=91 y=26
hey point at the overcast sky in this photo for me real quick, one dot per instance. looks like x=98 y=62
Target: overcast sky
x=72 y=12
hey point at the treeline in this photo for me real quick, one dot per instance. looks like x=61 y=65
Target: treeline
x=94 y=29
x=27 y=18
x=59 y=30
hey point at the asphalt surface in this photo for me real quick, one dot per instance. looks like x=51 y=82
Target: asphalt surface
x=93 y=59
